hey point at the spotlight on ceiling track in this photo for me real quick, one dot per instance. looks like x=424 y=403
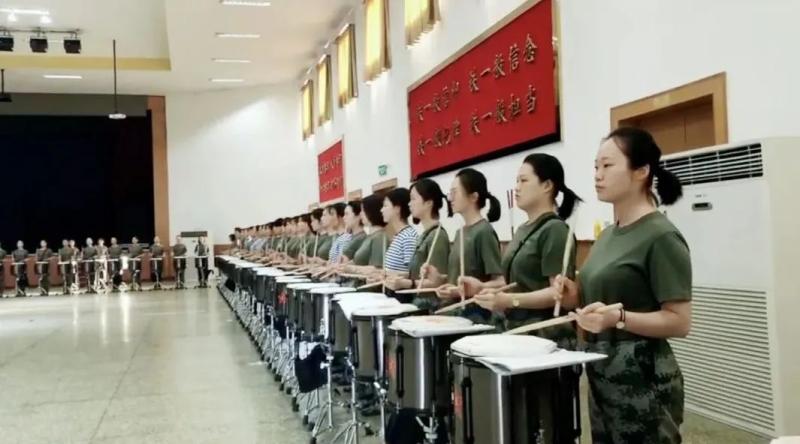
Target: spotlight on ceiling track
x=39 y=44
x=72 y=45
x=6 y=43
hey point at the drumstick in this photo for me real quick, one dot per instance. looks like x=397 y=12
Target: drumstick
x=383 y=288
x=472 y=299
x=565 y=264
x=461 y=259
x=558 y=321
x=421 y=290
x=511 y=210
x=316 y=242
x=371 y=285
x=430 y=255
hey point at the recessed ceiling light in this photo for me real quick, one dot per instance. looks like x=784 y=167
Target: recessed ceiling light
x=232 y=60
x=12 y=17
x=231 y=35
x=227 y=80
x=244 y=3
x=45 y=20
x=62 y=76
x=24 y=11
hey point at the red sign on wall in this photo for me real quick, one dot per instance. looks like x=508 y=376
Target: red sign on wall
x=498 y=96
x=330 y=164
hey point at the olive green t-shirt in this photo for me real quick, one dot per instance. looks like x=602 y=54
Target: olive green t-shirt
x=355 y=243
x=424 y=244
x=481 y=261
x=371 y=250
x=324 y=247
x=641 y=265
x=429 y=301
x=534 y=255
x=115 y=251
x=178 y=250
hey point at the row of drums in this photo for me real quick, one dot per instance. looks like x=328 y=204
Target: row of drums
x=436 y=379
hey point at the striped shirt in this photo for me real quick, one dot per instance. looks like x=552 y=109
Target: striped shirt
x=339 y=244
x=401 y=250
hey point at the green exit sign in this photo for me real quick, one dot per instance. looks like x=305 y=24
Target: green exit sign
x=383 y=170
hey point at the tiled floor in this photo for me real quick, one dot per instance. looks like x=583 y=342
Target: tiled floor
x=155 y=367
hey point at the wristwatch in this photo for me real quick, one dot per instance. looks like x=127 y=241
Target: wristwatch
x=621 y=322
x=514 y=302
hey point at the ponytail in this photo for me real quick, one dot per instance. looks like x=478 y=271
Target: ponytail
x=494 y=208
x=668 y=186
x=568 y=202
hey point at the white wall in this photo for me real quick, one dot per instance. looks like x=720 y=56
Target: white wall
x=612 y=52
x=231 y=157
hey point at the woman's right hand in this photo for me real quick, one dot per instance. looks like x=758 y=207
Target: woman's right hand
x=447 y=291
x=430 y=272
x=564 y=288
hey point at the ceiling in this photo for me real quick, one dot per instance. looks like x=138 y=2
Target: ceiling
x=167 y=46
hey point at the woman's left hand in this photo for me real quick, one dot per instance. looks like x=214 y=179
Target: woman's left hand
x=493 y=301
x=471 y=285
x=593 y=322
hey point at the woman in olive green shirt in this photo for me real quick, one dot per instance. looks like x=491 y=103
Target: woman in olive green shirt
x=354 y=226
x=426 y=201
x=468 y=195
x=325 y=238
x=535 y=256
x=368 y=259
x=642 y=261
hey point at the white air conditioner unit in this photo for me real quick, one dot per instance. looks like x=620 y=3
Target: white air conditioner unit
x=740 y=215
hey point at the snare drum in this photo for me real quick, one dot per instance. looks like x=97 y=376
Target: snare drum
x=416 y=364
x=516 y=409
x=297 y=294
x=368 y=330
x=281 y=293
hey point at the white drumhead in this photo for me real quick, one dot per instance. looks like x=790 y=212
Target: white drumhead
x=290 y=279
x=362 y=296
x=432 y=322
x=307 y=285
x=386 y=310
x=505 y=346
x=333 y=290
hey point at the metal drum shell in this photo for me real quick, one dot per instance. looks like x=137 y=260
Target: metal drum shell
x=417 y=370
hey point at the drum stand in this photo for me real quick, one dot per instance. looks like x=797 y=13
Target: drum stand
x=323 y=421
x=380 y=390
x=349 y=432
x=40 y=274
x=100 y=277
x=430 y=430
x=155 y=261
x=19 y=267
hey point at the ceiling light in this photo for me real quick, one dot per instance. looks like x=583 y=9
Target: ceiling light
x=12 y=17
x=72 y=46
x=116 y=115
x=38 y=44
x=25 y=11
x=6 y=43
x=244 y=3
x=62 y=77
x=232 y=60
x=226 y=80
x=229 y=35
x=45 y=20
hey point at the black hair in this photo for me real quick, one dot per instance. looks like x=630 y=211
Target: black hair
x=547 y=167
x=317 y=214
x=279 y=222
x=473 y=181
x=429 y=190
x=641 y=150
x=400 y=197
x=232 y=238
x=336 y=209
x=371 y=206
x=305 y=218
x=355 y=207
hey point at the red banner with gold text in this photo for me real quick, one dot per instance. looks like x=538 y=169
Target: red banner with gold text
x=498 y=96
x=330 y=164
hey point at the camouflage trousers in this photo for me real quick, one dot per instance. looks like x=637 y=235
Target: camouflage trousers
x=636 y=394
